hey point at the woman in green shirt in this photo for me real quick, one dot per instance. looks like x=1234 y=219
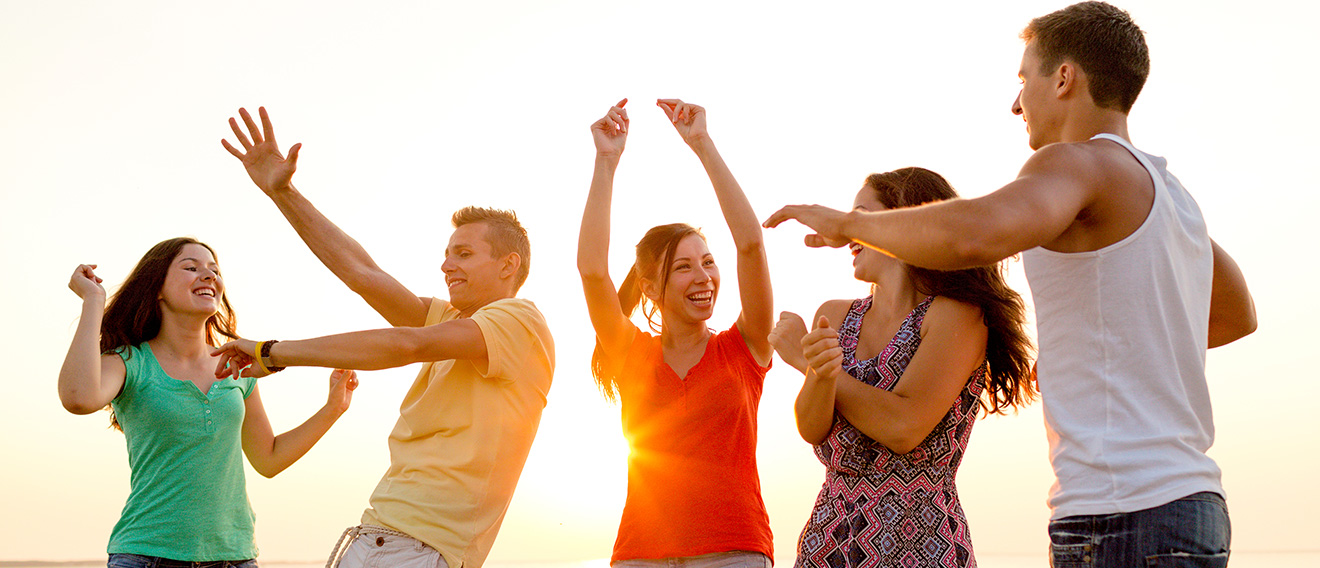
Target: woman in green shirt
x=147 y=354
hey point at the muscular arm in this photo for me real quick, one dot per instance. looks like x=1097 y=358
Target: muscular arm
x=1048 y=195
x=951 y=349
x=1232 y=311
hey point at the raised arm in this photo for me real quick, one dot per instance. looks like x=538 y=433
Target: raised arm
x=270 y=454
x=610 y=133
x=952 y=347
x=757 y=316
x=1232 y=311
x=273 y=173
x=368 y=350
x=1050 y=192
x=89 y=380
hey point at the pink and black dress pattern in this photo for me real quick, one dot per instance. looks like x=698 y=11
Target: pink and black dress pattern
x=878 y=508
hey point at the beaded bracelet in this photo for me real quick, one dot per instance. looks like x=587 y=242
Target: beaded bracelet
x=263 y=357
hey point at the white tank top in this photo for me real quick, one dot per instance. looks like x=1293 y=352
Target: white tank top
x=1122 y=333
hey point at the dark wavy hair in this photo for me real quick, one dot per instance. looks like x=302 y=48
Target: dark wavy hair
x=1010 y=383
x=133 y=314
x=654 y=252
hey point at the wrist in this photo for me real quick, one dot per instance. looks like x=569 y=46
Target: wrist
x=700 y=142
x=280 y=190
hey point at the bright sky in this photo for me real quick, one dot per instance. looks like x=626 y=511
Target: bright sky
x=409 y=110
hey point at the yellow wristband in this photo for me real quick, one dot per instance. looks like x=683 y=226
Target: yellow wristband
x=257 y=358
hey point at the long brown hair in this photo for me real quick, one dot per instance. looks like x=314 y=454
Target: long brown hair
x=133 y=316
x=1008 y=350
x=655 y=252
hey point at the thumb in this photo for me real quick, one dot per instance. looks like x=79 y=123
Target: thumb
x=823 y=323
x=293 y=154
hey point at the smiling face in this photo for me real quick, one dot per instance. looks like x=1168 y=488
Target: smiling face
x=193 y=284
x=869 y=264
x=693 y=282
x=474 y=275
x=1036 y=103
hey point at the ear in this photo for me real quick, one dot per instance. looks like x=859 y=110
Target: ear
x=1067 y=79
x=650 y=290
x=509 y=265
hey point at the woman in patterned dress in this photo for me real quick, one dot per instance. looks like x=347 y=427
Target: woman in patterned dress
x=891 y=395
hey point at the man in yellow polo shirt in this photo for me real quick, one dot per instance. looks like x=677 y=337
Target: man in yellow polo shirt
x=467 y=423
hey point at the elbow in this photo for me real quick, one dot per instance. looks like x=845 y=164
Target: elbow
x=813 y=436
x=74 y=402
x=268 y=471
x=753 y=245
x=79 y=407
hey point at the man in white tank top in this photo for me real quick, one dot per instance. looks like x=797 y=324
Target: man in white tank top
x=1129 y=290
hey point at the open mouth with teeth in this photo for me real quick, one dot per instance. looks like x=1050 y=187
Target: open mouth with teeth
x=207 y=292
x=856 y=248
x=702 y=298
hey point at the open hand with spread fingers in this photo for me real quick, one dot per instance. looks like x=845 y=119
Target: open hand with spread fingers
x=270 y=169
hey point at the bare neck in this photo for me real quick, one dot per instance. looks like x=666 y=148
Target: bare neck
x=1088 y=120
x=683 y=334
x=182 y=336
x=894 y=295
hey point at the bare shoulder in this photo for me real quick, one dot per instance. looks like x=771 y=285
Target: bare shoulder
x=949 y=310
x=1107 y=186
x=954 y=318
x=833 y=310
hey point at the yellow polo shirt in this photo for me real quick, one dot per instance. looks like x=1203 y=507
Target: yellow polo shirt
x=463 y=434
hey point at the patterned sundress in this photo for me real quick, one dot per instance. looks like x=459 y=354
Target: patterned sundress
x=880 y=509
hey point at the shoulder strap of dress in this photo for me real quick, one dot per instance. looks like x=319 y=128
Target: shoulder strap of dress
x=919 y=312
x=853 y=320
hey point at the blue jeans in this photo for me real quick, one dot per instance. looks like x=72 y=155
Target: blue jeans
x=1190 y=532
x=140 y=561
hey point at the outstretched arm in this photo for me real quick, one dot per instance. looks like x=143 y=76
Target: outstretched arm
x=363 y=350
x=757 y=316
x=1232 y=311
x=270 y=454
x=273 y=173
x=610 y=133
x=89 y=380
x=1033 y=210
